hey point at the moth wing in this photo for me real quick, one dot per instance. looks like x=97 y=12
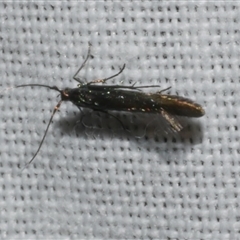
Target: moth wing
x=174 y=123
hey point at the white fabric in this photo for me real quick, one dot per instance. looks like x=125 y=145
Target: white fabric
x=94 y=180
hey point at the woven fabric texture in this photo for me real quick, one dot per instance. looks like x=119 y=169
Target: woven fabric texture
x=91 y=178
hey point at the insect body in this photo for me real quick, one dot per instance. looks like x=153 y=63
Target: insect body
x=123 y=98
x=130 y=99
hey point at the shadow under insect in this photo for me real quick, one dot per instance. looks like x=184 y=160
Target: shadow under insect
x=133 y=127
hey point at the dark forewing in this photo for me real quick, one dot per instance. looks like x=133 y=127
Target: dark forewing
x=110 y=98
x=130 y=99
x=178 y=105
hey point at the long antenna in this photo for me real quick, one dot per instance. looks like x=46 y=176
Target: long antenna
x=39 y=85
x=45 y=133
x=50 y=120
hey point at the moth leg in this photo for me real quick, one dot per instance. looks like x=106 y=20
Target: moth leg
x=82 y=116
x=146 y=86
x=83 y=64
x=174 y=123
x=97 y=110
x=131 y=87
x=113 y=117
x=106 y=79
x=165 y=89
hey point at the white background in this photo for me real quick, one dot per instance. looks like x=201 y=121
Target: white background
x=92 y=179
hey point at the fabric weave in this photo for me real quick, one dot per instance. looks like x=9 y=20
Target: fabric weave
x=92 y=179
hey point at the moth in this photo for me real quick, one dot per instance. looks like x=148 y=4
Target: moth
x=123 y=98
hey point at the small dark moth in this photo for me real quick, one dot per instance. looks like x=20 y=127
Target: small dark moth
x=122 y=98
